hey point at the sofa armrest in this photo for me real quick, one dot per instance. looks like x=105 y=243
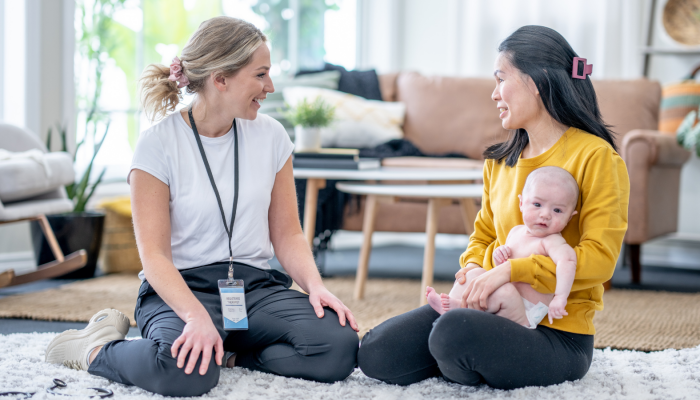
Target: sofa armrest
x=654 y=163
x=657 y=148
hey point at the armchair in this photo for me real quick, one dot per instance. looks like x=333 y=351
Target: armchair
x=28 y=193
x=654 y=163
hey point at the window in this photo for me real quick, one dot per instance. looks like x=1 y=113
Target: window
x=116 y=39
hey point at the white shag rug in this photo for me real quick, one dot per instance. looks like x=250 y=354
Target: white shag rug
x=668 y=374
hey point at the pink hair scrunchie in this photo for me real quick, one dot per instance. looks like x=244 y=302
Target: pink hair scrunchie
x=176 y=74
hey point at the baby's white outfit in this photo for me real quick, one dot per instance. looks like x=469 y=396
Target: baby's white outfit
x=534 y=312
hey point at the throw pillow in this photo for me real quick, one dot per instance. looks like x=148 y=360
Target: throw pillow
x=359 y=123
x=275 y=100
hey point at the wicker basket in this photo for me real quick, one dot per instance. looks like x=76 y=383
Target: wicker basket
x=678 y=99
x=681 y=19
x=119 y=252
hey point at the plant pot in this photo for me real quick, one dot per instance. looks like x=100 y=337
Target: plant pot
x=74 y=231
x=307 y=138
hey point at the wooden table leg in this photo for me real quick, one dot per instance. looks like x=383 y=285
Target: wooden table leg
x=431 y=227
x=313 y=185
x=469 y=211
x=371 y=206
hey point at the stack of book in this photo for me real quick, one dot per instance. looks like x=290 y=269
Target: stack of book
x=334 y=159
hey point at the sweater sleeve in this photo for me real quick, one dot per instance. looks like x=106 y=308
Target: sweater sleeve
x=602 y=223
x=484 y=231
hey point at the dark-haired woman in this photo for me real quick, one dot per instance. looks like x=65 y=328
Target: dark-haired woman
x=544 y=96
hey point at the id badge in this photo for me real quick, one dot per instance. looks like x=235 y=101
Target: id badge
x=233 y=309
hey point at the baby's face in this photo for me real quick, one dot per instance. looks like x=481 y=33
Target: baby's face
x=547 y=207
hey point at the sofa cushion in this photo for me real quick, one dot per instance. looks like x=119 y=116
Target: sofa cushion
x=23 y=178
x=358 y=122
x=450 y=115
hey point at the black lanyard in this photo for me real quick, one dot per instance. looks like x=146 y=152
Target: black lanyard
x=229 y=231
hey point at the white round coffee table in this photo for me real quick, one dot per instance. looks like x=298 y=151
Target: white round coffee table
x=316 y=180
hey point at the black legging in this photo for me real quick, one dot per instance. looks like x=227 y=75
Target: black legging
x=285 y=337
x=472 y=347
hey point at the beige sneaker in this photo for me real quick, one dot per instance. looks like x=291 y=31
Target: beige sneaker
x=71 y=347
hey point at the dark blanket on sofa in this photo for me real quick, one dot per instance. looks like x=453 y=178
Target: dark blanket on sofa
x=360 y=83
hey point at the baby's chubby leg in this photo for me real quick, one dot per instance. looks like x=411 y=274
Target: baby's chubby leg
x=444 y=302
x=454 y=299
x=506 y=302
x=533 y=296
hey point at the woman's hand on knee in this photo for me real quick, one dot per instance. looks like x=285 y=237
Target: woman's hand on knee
x=199 y=337
x=321 y=297
x=480 y=288
x=461 y=275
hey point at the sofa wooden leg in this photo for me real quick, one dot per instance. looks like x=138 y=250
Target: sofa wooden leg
x=633 y=251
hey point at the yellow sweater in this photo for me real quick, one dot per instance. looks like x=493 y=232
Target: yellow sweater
x=595 y=233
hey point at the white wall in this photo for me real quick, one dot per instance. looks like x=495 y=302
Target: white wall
x=36 y=83
x=460 y=38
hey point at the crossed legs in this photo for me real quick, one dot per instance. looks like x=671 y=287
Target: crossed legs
x=505 y=301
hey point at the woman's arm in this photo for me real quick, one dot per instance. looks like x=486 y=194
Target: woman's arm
x=151 y=214
x=603 y=223
x=292 y=249
x=484 y=230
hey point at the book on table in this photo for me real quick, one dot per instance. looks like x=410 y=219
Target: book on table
x=329 y=158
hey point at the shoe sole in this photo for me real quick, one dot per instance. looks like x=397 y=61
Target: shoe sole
x=113 y=318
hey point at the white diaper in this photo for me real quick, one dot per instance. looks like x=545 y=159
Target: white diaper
x=535 y=312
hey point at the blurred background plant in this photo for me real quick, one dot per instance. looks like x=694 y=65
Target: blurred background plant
x=688 y=133
x=82 y=189
x=117 y=39
x=315 y=114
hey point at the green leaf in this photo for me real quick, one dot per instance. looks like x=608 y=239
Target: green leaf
x=316 y=114
x=79 y=191
x=685 y=127
x=80 y=207
x=692 y=139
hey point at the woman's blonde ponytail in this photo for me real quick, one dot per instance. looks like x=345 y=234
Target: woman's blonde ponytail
x=158 y=94
x=220 y=44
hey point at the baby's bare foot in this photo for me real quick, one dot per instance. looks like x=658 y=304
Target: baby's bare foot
x=434 y=300
x=449 y=303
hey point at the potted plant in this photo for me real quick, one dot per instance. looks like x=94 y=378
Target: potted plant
x=308 y=119
x=688 y=133
x=78 y=229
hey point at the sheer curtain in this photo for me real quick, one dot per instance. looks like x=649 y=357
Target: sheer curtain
x=460 y=37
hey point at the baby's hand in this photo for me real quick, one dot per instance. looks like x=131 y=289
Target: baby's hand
x=557 y=308
x=501 y=254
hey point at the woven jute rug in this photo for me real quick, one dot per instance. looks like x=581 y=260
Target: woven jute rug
x=636 y=320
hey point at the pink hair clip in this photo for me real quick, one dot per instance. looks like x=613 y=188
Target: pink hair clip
x=176 y=74
x=587 y=68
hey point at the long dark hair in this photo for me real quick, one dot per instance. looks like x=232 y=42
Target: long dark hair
x=544 y=55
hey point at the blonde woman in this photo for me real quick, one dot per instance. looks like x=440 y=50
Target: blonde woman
x=212 y=191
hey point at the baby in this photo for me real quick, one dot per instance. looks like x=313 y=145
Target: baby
x=548 y=203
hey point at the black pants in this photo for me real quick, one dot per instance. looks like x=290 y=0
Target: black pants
x=472 y=347
x=285 y=337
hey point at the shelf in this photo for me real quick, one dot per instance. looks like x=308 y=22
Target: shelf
x=693 y=51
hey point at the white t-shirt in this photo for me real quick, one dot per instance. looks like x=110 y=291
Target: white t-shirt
x=169 y=152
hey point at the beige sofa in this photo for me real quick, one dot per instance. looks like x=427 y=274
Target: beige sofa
x=457 y=115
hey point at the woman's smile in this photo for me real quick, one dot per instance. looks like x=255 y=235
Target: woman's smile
x=257 y=102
